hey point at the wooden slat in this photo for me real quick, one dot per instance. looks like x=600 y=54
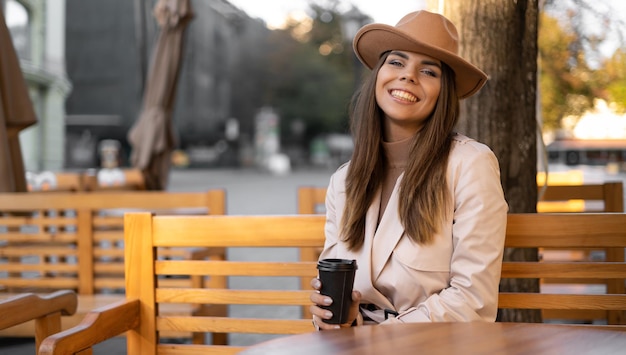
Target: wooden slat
x=561 y=301
x=234 y=325
x=47 y=267
x=573 y=192
x=235 y=268
x=583 y=270
x=233 y=231
x=23 y=238
x=250 y=297
x=56 y=282
x=37 y=250
x=187 y=349
x=567 y=231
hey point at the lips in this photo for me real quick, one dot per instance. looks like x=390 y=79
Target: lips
x=403 y=95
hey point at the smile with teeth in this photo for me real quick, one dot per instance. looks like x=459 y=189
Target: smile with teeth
x=403 y=95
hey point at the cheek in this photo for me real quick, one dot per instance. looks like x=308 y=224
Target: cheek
x=433 y=91
x=379 y=91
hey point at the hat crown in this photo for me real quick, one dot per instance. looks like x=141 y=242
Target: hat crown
x=431 y=29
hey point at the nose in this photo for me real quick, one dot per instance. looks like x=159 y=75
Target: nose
x=408 y=76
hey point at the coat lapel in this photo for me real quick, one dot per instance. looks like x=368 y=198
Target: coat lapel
x=389 y=232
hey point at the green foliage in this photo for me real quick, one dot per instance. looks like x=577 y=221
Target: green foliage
x=312 y=74
x=567 y=84
x=565 y=79
x=612 y=77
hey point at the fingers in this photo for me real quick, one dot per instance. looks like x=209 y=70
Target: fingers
x=316 y=284
x=321 y=325
x=354 y=308
x=320 y=299
x=319 y=314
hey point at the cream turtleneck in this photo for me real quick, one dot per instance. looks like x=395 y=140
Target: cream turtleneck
x=396 y=157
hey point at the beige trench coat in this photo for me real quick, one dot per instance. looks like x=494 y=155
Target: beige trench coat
x=454 y=279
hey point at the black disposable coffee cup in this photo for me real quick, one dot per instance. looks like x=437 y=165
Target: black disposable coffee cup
x=337 y=278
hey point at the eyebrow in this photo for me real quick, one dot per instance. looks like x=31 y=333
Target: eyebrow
x=425 y=61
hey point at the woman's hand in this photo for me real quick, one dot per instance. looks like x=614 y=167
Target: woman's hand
x=320 y=314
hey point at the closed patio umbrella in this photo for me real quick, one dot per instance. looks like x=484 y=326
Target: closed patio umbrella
x=151 y=137
x=16 y=113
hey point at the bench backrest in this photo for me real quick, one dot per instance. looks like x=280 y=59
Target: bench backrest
x=568 y=231
x=51 y=241
x=145 y=233
x=607 y=197
x=604 y=197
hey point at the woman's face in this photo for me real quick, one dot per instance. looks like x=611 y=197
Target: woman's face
x=407 y=88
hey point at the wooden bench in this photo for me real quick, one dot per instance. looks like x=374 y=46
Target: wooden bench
x=88 y=180
x=52 y=241
x=603 y=197
x=139 y=314
x=44 y=310
x=54 y=181
x=132 y=180
x=574 y=197
x=568 y=231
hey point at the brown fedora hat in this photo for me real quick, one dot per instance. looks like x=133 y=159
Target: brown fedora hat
x=422 y=32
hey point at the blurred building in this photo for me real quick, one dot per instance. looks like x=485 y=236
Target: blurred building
x=38 y=31
x=109 y=46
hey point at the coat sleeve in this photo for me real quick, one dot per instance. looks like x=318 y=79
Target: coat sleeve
x=334 y=192
x=478 y=232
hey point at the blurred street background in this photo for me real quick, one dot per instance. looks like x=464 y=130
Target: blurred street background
x=260 y=104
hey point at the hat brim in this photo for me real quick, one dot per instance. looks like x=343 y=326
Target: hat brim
x=375 y=39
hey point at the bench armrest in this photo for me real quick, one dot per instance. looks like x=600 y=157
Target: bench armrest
x=27 y=306
x=98 y=325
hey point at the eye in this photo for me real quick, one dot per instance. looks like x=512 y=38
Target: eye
x=394 y=62
x=430 y=72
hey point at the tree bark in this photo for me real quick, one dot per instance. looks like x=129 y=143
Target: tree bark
x=500 y=37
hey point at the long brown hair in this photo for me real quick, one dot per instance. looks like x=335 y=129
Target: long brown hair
x=424 y=199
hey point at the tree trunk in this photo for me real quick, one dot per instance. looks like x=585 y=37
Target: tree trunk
x=500 y=37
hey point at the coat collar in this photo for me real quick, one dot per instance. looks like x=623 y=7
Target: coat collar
x=380 y=241
x=388 y=233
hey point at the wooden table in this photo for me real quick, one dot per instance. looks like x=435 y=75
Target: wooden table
x=450 y=338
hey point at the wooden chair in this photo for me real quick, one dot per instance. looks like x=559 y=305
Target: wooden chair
x=567 y=231
x=139 y=314
x=52 y=241
x=45 y=310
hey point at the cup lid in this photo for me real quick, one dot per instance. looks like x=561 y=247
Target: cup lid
x=336 y=265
